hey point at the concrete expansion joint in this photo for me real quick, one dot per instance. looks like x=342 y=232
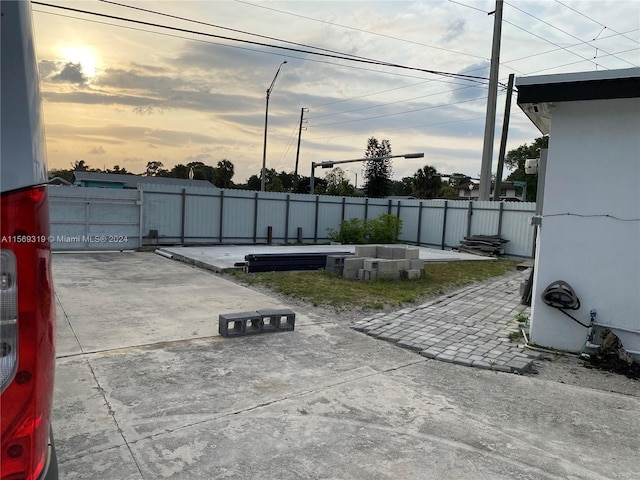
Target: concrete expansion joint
x=112 y=413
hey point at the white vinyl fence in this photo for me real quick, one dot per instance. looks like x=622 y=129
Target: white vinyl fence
x=115 y=219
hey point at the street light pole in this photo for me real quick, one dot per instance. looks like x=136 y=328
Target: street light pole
x=266 y=120
x=373 y=159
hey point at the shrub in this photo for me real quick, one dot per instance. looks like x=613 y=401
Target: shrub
x=351 y=231
x=384 y=229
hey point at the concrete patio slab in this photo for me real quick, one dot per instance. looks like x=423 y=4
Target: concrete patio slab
x=225 y=257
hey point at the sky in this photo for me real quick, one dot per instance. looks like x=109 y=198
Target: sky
x=123 y=93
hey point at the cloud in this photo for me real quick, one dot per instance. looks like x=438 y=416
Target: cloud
x=122 y=134
x=454 y=30
x=47 y=67
x=97 y=151
x=71 y=73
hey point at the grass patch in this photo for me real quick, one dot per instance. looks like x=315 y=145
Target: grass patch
x=318 y=288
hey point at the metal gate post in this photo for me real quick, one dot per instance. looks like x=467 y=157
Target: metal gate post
x=419 y=222
x=221 y=214
x=255 y=219
x=286 y=221
x=444 y=226
x=184 y=211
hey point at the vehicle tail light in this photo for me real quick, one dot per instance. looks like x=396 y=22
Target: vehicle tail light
x=8 y=318
x=27 y=353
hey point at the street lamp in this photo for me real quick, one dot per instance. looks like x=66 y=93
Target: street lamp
x=373 y=159
x=266 y=118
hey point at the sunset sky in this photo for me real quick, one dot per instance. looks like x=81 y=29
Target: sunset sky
x=123 y=93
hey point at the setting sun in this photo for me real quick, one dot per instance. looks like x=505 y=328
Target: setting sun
x=82 y=55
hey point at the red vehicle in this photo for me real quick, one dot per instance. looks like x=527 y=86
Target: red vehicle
x=27 y=309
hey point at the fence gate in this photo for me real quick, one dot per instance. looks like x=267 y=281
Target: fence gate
x=94 y=218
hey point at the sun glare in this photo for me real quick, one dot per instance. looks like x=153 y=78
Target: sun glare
x=82 y=55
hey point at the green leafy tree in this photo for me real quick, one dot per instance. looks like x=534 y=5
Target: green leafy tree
x=118 y=170
x=378 y=173
x=80 y=166
x=426 y=182
x=516 y=159
x=402 y=188
x=155 y=169
x=223 y=174
x=338 y=183
x=448 y=191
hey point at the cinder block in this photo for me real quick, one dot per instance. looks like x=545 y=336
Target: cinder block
x=277 y=320
x=399 y=251
x=416 y=264
x=371 y=263
x=335 y=260
x=241 y=323
x=394 y=275
x=367 y=275
x=402 y=263
x=366 y=250
x=384 y=251
x=412 y=253
x=413 y=274
x=387 y=265
x=353 y=264
x=335 y=270
x=350 y=274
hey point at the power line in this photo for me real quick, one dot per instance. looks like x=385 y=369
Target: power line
x=389 y=103
x=305 y=59
x=564 y=31
x=469 y=6
x=176 y=17
x=194 y=32
x=359 y=30
x=398 y=113
x=599 y=23
x=404 y=128
x=578 y=61
x=552 y=43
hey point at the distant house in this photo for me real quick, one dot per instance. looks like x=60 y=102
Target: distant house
x=588 y=233
x=60 y=182
x=508 y=191
x=116 y=180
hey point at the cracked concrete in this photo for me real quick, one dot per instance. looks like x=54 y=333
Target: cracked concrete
x=146 y=389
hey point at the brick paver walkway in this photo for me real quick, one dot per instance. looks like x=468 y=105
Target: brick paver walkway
x=469 y=327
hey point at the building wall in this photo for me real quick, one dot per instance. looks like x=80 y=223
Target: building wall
x=593 y=169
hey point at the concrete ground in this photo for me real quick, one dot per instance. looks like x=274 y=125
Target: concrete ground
x=225 y=257
x=146 y=388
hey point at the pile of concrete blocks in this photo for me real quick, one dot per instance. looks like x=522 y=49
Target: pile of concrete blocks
x=380 y=261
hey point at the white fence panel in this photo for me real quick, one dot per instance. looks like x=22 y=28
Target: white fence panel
x=179 y=215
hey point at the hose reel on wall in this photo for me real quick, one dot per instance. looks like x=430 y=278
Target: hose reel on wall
x=561 y=296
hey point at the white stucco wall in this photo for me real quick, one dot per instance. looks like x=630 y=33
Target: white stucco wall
x=593 y=168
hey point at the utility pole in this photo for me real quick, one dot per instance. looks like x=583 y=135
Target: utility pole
x=263 y=172
x=503 y=140
x=295 y=174
x=489 y=125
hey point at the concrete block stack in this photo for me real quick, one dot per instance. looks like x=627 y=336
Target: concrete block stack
x=380 y=261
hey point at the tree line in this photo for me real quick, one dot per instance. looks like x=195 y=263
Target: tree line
x=377 y=175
